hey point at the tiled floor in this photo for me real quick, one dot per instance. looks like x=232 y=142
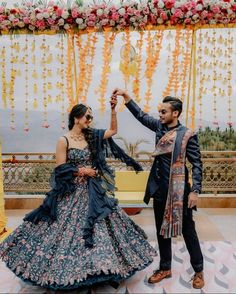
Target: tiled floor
x=217 y=233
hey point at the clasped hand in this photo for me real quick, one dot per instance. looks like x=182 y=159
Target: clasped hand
x=87 y=171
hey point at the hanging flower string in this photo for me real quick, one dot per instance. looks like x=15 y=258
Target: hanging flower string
x=12 y=86
x=34 y=76
x=153 y=57
x=69 y=73
x=173 y=83
x=90 y=66
x=3 y=76
x=84 y=51
x=109 y=38
x=186 y=64
x=137 y=76
x=26 y=114
x=33 y=16
x=201 y=79
x=44 y=76
x=230 y=41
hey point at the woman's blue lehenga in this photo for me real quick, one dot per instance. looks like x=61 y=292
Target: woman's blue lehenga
x=54 y=255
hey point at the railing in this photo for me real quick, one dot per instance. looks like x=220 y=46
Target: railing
x=30 y=172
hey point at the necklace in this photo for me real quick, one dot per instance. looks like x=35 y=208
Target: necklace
x=77 y=138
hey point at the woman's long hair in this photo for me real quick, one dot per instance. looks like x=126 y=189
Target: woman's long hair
x=78 y=111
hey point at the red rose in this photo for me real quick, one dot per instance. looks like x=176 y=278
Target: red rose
x=169 y=4
x=233 y=7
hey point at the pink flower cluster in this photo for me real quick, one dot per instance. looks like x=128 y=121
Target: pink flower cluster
x=135 y=15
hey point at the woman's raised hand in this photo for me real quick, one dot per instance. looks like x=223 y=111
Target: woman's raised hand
x=113 y=102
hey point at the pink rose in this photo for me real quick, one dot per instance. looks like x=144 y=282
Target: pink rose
x=178 y=13
x=169 y=3
x=51 y=21
x=15 y=21
x=2 y=9
x=163 y=15
x=130 y=10
x=215 y=9
x=137 y=12
x=59 y=11
x=187 y=21
x=75 y=13
x=40 y=23
x=26 y=20
x=92 y=17
x=115 y=16
x=91 y=23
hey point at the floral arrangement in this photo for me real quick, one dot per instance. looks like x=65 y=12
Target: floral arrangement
x=42 y=15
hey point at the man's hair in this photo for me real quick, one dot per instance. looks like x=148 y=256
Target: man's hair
x=175 y=103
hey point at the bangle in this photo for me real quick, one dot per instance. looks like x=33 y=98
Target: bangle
x=113 y=113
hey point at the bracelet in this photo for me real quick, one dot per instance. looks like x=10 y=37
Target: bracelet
x=113 y=113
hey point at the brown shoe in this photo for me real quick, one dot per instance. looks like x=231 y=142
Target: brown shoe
x=159 y=275
x=198 y=280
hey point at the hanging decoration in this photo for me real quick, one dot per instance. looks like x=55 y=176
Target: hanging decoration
x=11 y=85
x=40 y=16
x=71 y=89
x=137 y=74
x=3 y=76
x=26 y=76
x=230 y=41
x=173 y=81
x=185 y=64
x=109 y=38
x=43 y=47
x=201 y=76
x=154 y=46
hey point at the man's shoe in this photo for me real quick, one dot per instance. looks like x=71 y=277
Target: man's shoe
x=198 y=280
x=159 y=275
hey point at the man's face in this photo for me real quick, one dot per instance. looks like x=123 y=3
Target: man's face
x=166 y=113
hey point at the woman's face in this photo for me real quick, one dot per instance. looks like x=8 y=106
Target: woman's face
x=85 y=120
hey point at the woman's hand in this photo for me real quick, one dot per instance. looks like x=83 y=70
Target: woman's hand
x=113 y=102
x=87 y=171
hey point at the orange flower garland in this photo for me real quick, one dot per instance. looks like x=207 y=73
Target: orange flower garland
x=109 y=38
x=136 y=80
x=173 y=83
x=153 y=56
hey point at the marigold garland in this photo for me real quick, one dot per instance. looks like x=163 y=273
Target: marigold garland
x=109 y=38
x=137 y=76
x=154 y=46
x=173 y=82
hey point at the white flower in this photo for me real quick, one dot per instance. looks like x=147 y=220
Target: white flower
x=21 y=24
x=195 y=16
x=106 y=11
x=65 y=14
x=61 y=22
x=173 y=10
x=54 y=16
x=121 y=11
x=151 y=5
x=160 y=20
x=132 y=19
x=100 y=12
x=31 y=27
x=11 y=17
x=161 y=4
x=66 y=26
x=188 y=14
x=112 y=22
x=46 y=15
x=79 y=21
x=154 y=10
x=39 y=16
x=82 y=26
x=199 y=7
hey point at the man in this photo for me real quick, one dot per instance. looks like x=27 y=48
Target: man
x=168 y=184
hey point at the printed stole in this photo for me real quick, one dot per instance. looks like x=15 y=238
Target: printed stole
x=173 y=214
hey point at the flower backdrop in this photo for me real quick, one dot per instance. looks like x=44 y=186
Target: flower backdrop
x=38 y=16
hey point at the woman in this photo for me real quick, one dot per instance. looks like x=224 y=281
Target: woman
x=79 y=236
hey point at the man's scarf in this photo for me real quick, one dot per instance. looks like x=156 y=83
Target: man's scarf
x=173 y=214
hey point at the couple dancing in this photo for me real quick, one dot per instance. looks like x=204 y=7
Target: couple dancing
x=79 y=236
